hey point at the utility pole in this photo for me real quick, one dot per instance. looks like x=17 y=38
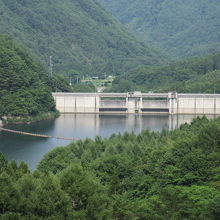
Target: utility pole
x=51 y=67
x=70 y=83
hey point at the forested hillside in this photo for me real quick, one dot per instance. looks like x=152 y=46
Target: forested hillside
x=180 y=27
x=25 y=88
x=197 y=74
x=152 y=176
x=80 y=35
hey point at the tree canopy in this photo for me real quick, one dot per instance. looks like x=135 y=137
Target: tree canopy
x=80 y=35
x=168 y=175
x=196 y=74
x=25 y=88
x=181 y=28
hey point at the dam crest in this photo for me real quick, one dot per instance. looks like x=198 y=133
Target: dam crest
x=138 y=103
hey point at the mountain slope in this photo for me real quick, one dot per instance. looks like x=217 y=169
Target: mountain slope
x=79 y=34
x=197 y=74
x=181 y=27
x=24 y=89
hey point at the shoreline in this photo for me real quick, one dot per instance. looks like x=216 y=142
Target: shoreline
x=6 y=120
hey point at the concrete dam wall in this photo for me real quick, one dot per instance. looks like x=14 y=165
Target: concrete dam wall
x=137 y=102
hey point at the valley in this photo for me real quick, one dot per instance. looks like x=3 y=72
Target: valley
x=109 y=110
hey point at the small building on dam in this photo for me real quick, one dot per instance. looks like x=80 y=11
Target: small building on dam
x=137 y=102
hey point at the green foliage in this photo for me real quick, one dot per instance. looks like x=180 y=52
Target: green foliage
x=79 y=34
x=181 y=28
x=83 y=87
x=185 y=202
x=167 y=175
x=197 y=74
x=25 y=88
x=121 y=85
x=58 y=83
x=89 y=197
x=27 y=196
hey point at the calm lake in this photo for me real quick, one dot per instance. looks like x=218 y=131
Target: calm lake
x=32 y=149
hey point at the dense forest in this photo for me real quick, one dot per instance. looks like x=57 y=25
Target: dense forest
x=80 y=35
x=168 y=175
x=179 y=27
x=83 y=87
x=197 y=74
x=25 y=87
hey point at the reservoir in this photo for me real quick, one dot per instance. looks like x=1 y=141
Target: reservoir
x=79 y=126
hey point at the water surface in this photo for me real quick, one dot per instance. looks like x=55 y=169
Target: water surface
x=80 y=126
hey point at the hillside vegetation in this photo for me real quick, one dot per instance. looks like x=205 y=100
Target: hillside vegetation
x=151 y=176
x=197 y=74
x=79 y=34
x=180 y=27
x=25 y=88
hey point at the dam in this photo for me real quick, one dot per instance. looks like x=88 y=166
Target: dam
x=138 y=103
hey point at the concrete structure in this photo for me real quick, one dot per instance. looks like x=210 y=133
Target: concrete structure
x=137 y=102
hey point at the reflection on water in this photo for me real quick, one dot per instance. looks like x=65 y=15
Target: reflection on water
x=31 y=149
